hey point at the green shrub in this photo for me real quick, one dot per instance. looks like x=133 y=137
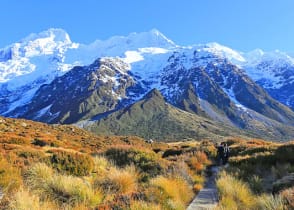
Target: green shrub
x=146 y=162
x=171 y=152
x=72 y=162
x=255 y=183
x=285 y=153
x=253 y=150
x=39 y=142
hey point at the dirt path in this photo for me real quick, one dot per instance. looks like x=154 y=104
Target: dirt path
x=207 y=198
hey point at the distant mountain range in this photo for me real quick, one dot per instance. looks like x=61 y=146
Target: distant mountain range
x=144 y=84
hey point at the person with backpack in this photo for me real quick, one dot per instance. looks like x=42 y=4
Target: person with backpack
x=226 y=153
x=220 y=154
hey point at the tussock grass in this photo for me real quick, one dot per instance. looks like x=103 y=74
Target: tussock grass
x=270 y=202
x=141 y=205
x=24 y=200
x=288 y=196
x=72 y=190
x=119 y=181
x=178 y=192
x=234 y=194
x=101 y=165
x=64 y=189
x=10 y=176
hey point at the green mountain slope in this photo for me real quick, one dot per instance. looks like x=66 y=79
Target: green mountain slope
x=152 y=117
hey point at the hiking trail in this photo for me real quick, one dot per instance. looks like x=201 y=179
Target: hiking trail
x=207 y=198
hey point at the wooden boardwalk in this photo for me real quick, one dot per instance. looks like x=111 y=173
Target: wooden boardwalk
x=1 y=194
x=207 y=198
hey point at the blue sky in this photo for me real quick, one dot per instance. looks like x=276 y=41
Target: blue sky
x=240 y=24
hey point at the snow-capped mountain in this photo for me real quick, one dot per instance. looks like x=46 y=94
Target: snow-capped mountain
x=49 y=78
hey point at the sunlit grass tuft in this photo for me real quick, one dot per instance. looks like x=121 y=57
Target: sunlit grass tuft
x=119 y=180
x=24 y=200
x=270 y=202
x=234 y=192
x=62 y=188
x=141 y=205
x=176 y=189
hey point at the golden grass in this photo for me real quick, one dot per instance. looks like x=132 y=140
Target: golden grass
x=177 y=189
x=64 y=189
x=24 y=200
x=73 y=190
x=10 y=176
x=121 y=181
x=288 y=196
x=269 y=202
x=101 y=165
x=234 y=194
x=197 y=187
x=141 y=205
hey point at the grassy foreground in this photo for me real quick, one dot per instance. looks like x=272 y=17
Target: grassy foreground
x=63 y=167
x=260 y=176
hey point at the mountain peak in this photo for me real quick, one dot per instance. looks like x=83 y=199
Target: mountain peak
x=223 y=51
x=154 y=93
x=152 y=38
x=55 y=34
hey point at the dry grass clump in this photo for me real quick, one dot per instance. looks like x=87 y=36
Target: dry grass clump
x=10 y=176
x=177 y=191
x=118 y=181
x=234 y=194
x=24 y=200
x=270 y=202
x=142 y=205
x=101 y=165
x=61 y=188
x=288 y=196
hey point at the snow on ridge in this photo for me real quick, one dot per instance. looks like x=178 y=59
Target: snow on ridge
x=132 y=57
x=43 y=56
x=224 y=51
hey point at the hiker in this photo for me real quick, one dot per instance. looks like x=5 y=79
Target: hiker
x=220 y=154
x=226 y=153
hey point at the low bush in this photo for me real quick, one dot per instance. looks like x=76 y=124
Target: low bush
x=285 y=153
x=172 y=152
x=256 y=184
x=72 y=163
x=39 y=142
x=146 y=162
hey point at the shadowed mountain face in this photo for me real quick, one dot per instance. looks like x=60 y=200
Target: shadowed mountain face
x=82 y=93
x=152 y=117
